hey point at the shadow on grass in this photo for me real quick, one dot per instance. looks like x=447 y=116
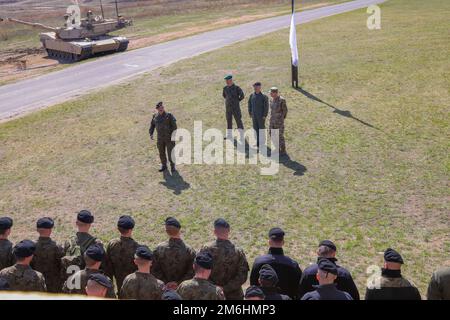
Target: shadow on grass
x=174 y=181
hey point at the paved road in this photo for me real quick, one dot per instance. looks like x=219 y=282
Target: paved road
x=28 y=95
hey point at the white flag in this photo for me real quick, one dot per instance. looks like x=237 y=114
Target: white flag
x=293 y=41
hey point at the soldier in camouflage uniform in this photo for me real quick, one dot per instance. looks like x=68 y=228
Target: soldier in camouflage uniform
x=142 y=285
x=278 y=113
x=77 y=282
x=233 y=95
x=200 y=288
x=21 y=277
x=231 y=268
x=120 y=252
x=47 y=257
x=165 y=124
x=6 y=246
x=173 y=259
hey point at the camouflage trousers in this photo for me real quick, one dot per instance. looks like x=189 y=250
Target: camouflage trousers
x=235 y=112
x=282 y=143
x=163 y=146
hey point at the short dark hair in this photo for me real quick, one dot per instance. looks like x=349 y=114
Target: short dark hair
x=3 y=231
x=122 y=230
x=325 y=251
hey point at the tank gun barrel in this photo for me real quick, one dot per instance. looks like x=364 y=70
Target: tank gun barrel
x=31 y=24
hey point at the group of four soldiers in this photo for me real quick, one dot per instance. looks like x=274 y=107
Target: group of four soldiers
x=258 y=108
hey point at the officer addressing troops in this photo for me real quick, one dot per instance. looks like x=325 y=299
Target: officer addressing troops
x=98 y=285
x=230 y=270
x=6 y=246
x=142 y=285
x=233 y=96
x=278 y=113
x=199 y=287
x=21 y=277
x=120 y=252
x=258 y=108
x=47 y=256
x=173 y=259
x=165 y=124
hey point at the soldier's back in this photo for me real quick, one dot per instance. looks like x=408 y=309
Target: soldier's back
x=6 y=255
x=141 y=286
x=199 y=289
x=23 y=278
x=393 y=288
x=47 y=260
x=120 y=258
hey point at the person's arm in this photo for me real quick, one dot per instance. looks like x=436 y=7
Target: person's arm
x=250 y=105
x=266 y=106
x=156 y=266
x=152 y=127
x=241 y=95
x=108 y=267
x=173 y=123
x=348 y=285
x=189 y=273
x=223 y=93
x=254 y=274
x=240 y=277
x=434 y=292
x=284 y=109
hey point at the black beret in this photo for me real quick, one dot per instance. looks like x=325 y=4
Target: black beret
x=228 y=77
x=170 y=221
x=95 y=252
x=45 y=223
x=24 y=249
x=171 y=295
x=254 y=291
x=101 y=280
x=221 y=223
x=268 y=273
x=390 y=255
x=85 y=216
x=276 y=234
x=4 y=285
x=257 y=84
x=159 y=104
x=125 y=222
x=327 y=265
x=204 y=260
x=144 y=252
x=329 y=244
x=5 y=223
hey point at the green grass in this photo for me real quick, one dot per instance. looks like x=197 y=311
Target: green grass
x=365 y=187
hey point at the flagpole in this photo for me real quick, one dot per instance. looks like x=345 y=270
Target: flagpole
x=294 y=68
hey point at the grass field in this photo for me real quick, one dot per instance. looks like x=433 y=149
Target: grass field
x=368 y=141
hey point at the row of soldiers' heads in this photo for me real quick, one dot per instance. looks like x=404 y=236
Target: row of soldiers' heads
x=257 y=86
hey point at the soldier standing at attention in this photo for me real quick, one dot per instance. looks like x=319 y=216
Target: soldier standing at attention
x=165 y=124
x=142 y=285
x=439 y=286
x=119 y=259
x=6 y=246
x=233 y=95
x=199 y=288
x=76 y=283
x=391 y=285
x=258 y=108
x=278 y=113
x=268 y=280
x=98 y=285
x=326 y=290
x=230 y=270
x=21 y=277
x=287 y=269
x=173 y=259
x=47 y=256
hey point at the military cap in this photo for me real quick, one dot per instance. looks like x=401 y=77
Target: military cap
x=5 y=223
x=144 y=252
x=24 y=249
x=390 y=255
x=257 y=84
x=101 y=280
x=159 y=104
x=95 y=252
x=228 y=77
x=125 y=222
x=276 y=234
x=221 y=223
x=171 y=295
x=327 y=265
x=85 y=216
x=254 y=291
x=204 y=260
x=274 y=89
x=4 y=285
x=45 y=223
x=328 y=243
x=268 y=273
x=171 y=221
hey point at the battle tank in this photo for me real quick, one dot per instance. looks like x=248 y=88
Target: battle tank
x=82 y=39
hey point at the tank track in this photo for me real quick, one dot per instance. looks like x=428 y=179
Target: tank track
x=68 y=57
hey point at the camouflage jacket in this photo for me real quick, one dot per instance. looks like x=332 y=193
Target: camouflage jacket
x=47 y=260
x=230 y=267
x=119 y=260
x=23 y=278
x=391 y=285
x=172 y=261
x=164 y=124
x=439 y=286
x=199 y=289
x=141 y=286
x=6 y=255
x=278 y=111
x=233 y=95
x=76 y=283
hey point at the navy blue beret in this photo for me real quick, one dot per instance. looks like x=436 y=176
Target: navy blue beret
x=5 y=223
x=101 y=280
x=221 y=223
x=171 y=221
x=276 y=234
x=327 y=265
x=257 y=84
x=4 y=285
x=144 y=252
x=328 y=243
x=268 y=273
x=45 y=223
x=126 y=222
x=24 y=249
x=390 y=255
x=254 y=291
x=95 y=252
x=171 y=295
x=85 y=216
x=204 y=260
